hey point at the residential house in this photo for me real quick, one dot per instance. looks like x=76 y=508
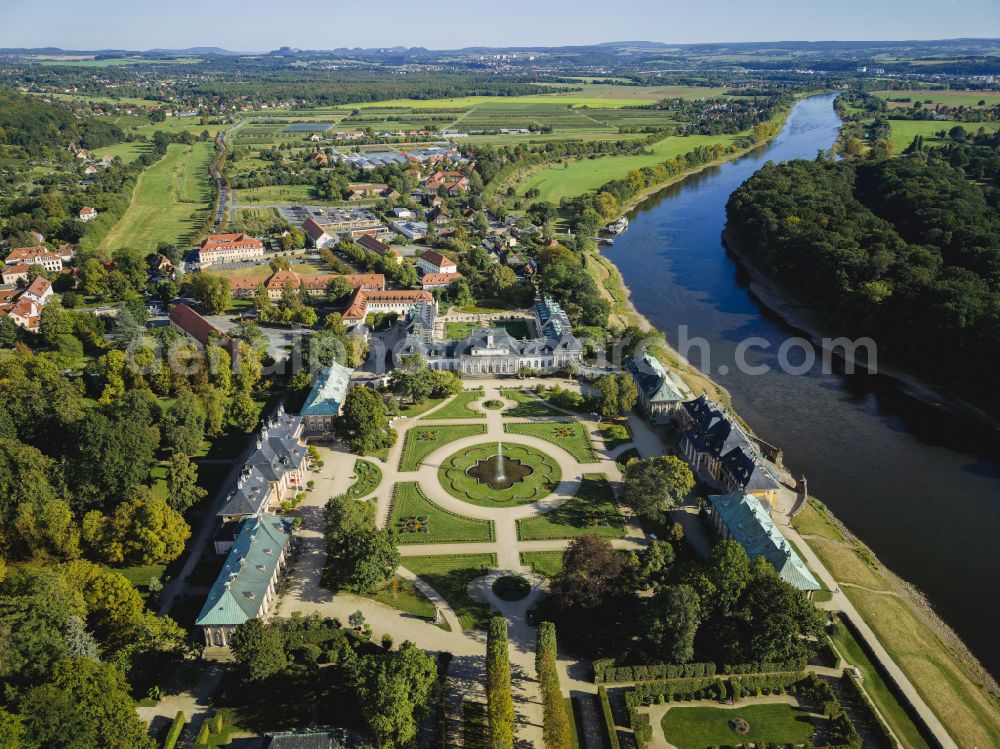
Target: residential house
x=39 y=291
x=325 y=399
x=743 y=518
x=23 y=311
x=720 y=451
x=435 y=262
x=439 y=280
x=438 y=215
x=87 y=213
x=660 y=393
x=247 y=585
x=378 y=246
x=38 y=255
x=13 y=274
x=403 y=213
x=452 y=182
x=229 y=248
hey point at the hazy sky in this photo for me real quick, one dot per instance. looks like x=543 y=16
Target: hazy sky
x=257 y=25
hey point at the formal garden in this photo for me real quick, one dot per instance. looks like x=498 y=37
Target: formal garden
x=763 y=725
x=571 y=436
x=459 y=407
x=591 y=510
x=473 y=475
x=422 y=441
x=415 y=519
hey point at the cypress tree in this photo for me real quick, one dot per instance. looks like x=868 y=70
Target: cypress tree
x=499 y=701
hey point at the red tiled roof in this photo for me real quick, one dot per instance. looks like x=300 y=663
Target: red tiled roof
x=359 y=302
x=435 y=258
x=38 y=287
x=29 y=253
x=218 y=242
x=197 y=326
x=369 y=242
x=439 y=279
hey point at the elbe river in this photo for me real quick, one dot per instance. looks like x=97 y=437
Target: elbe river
x=917 y=484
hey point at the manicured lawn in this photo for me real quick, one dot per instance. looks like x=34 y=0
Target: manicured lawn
x=700 y=727
x=414 y=411
x=450 y=575
x=369 y=477
x=441 y=525
x=528 y=406
x=407 y=598
x=592 y=510
x=140 y=575
x=459 y=407
x=422 y=441
x=614 y=434
x=544 y=477
x=543 y=562
x=170 y=203
x=125 y=151
x=458 y=330
x=570 y=436
x=876 y=688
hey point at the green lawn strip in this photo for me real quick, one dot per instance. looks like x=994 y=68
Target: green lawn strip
x=574 y=737
x=615 y=434
x=547 y=563
x=369 y=477
x=140 y=575
x=442 y=526
x=450 y=575
x=422 y=441
x=591 y=510
x=414 y=411
x=408 y=598
x=459 y=407
x=517 y=328
x=528 y=406
x=570 y=436
x=544 y=477
x=699 y=727
x=876 y=687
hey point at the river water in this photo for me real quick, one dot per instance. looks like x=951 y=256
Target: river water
x=921 y=487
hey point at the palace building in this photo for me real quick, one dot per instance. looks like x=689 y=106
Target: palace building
x=325 y=399
x=743 y=518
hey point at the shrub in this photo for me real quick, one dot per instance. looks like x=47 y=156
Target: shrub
x=609 y=718
x=174 y=733
x=387 y=641
x=499 y=701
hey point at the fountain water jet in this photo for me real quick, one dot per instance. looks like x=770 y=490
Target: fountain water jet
x=501 y=476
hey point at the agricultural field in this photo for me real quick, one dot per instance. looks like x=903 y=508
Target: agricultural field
x=949 y=98
x=116 y=62
x=904 y=131
x=576 y=177
x=170 y=202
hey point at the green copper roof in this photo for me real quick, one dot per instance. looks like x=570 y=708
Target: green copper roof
x=238 y=593
x=328 y=391
x=750 y=525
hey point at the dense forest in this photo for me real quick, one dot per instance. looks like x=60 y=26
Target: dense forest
x=904 y=250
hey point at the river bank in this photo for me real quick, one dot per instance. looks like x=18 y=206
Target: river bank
x=799 y=317
x=931 y=654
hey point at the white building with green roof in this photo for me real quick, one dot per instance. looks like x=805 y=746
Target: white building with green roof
x=660 y=392
x=322 y=406
x=744 y=519
x=245 y=588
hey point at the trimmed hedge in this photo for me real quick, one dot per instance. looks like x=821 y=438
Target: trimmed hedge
x=174 y=734
x=641 y=726
x=605 y=672
x=609 y=718
x=763 y=668
x=747 y=686
x=877 y=724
